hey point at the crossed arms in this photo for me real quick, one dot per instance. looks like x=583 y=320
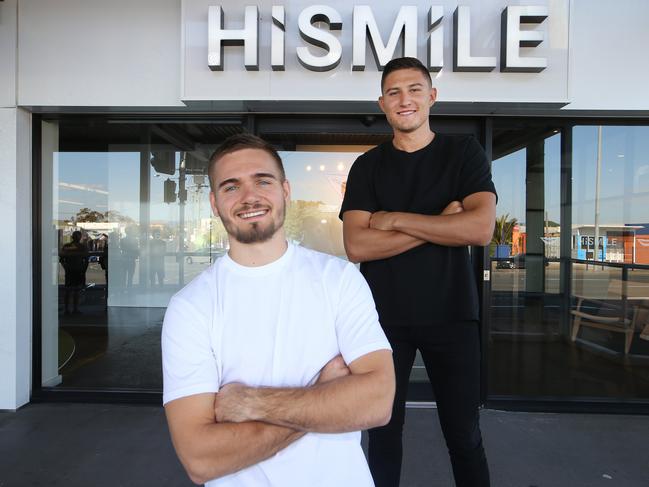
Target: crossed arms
x=372 y=236
x=218 y=434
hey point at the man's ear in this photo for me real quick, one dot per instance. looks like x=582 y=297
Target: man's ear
x=213 y=204
x=433 y=96
x=286 y=187
x=380 y=102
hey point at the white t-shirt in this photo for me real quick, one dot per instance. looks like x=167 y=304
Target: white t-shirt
x=276 y=325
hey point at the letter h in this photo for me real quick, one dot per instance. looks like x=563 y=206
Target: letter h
x=219 y=37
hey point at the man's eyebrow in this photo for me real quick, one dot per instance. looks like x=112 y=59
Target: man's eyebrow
x=409 y=86
x=265 y=175
x=257 y=175
x=228 y=181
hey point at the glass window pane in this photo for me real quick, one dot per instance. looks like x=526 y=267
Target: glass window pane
x=526 y=321
x=610 y=268
x=126 y=223
x=577 y=324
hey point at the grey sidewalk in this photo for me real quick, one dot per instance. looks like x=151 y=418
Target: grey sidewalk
x=115 y=445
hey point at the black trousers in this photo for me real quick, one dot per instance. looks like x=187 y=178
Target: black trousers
x=451 y=354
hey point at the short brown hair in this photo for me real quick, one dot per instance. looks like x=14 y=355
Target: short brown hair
x=239 y=142
x=404 y=63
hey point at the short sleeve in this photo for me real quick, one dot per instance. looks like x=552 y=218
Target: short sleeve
x=475 y=176
x=357 y=322
x=359 y=192
x=188 y=362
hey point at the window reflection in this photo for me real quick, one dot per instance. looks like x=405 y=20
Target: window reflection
x=140 y=202
x=525 y=248
x=577 y=337
x=316 y=195
x=610 y=271
x=128 y=224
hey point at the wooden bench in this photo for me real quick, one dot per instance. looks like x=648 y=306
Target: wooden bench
x=612 y=317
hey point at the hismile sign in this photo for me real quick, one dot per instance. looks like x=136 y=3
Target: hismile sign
x=316 y=22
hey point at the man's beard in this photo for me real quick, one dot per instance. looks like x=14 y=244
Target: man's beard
x=253 y=232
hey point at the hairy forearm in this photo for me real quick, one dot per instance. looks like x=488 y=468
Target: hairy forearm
x=220 y=449
x=466 y=228
x=350 y=403
x=366 y=244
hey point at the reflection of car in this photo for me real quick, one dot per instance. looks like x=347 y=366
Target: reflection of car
x=515 y=262
x=205 y=255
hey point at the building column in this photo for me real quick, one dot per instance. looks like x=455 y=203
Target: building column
x=16 y=218
x=16 y=261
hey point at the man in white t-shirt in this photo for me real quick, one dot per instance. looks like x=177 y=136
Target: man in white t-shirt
x=273 y=358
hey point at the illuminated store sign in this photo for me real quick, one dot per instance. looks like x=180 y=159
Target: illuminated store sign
x=317 y=23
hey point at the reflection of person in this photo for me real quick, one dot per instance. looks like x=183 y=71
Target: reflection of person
x=102 y=246
x=272 y=346
x=411 y=208
x=74 y=259
x=130 y=252
x=157 y=250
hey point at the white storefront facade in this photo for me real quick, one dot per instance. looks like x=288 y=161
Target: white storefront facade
x=97 y=96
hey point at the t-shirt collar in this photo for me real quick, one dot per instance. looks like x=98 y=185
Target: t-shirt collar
x=270 y=268
x=406 y=153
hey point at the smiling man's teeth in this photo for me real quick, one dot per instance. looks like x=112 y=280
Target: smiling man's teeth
x=253 y=214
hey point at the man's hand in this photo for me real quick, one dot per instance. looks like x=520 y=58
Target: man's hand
x=453 y=208
x=234 y=403
x=333 y=369
x=381 y=220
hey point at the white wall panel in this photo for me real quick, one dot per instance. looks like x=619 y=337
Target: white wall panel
x=609 y=63
x=15 y=267
x=98 y=53
x=128 y=53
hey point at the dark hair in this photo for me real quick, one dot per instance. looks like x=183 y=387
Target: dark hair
x=76 y=236
x=404 y=63
x=239 y=142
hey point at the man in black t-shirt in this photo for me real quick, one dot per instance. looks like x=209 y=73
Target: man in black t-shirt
x=411 y=209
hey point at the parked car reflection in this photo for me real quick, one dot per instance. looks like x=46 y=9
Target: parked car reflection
x=514 y=262
x=204 y=255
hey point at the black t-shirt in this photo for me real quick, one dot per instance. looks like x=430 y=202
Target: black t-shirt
x=430 y=284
